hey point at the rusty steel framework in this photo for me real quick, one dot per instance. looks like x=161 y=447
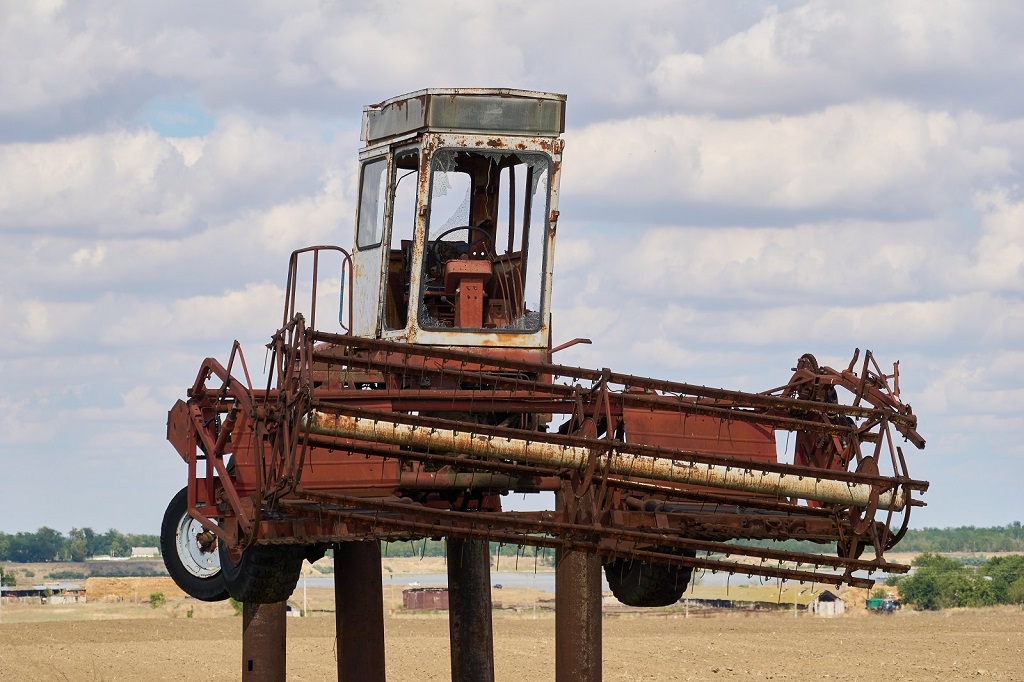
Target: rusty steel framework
x=439 y=395
x=362 y=403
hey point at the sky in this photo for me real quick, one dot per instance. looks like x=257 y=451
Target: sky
x=743 y=183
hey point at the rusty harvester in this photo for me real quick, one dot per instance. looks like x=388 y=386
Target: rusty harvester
x=439 y=395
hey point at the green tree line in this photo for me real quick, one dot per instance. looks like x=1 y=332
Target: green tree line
x=940 y=582
x=47 y=544
x=1008 y=538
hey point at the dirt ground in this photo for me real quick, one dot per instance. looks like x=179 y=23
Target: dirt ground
x=166 y=645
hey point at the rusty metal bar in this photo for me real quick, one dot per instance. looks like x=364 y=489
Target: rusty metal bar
x=568 y=394
x=524 y=245
x=699 y=532
x=534 y=478
x=367 y=516
x=744 y=477
x=264 y=635
x=729 y=409
x=359 y=611
x=627 y=380
x=541 y=397
x=469 y=610
x=577 y=617
x=652 y=451
x=512 y=208
x=447 y=479
x=291 y=285
x=484 y=400
x=547 y=477
x=386 y=451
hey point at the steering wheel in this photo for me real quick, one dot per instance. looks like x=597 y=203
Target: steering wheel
x=434 y=247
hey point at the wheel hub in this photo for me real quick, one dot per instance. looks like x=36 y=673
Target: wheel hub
x=197 y=548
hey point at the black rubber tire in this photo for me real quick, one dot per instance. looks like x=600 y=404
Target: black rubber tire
x=205 y=588
x=264 y=574
x=635 y=583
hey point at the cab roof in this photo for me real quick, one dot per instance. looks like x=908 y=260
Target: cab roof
x=500 y=111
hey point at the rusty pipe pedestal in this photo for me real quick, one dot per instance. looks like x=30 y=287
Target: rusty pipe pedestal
x=359 y=611
x=264 y=637
x=577 y=617
x=469 y=610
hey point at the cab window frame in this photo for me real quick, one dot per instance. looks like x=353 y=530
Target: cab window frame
x=380 y=218
x=542 y=207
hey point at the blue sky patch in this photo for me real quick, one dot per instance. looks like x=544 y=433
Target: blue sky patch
x=178 y=117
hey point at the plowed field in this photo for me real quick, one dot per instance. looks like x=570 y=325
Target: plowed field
x=975 y=644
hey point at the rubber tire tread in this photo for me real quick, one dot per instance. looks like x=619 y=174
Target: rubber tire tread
x=204 y=589
x=265 y=575
x=635 y=583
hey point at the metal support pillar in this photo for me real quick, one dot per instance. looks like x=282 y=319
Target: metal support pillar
x=577 y=617
x=359 y=611
x=469 y=610
x=264 y=634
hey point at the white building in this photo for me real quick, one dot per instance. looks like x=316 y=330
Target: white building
x=826 y=604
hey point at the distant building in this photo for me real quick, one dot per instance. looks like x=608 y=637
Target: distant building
x=46 y=593
x=425 y=599
x=827 y=604
x=816 y=601
x=145 y=552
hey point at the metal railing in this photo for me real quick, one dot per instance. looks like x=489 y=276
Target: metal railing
x=345 y=288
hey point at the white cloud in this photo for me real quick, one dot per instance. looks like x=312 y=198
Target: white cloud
x=873 y=156
x=104 y=182
x=999 y=254
x=190 y=148
x=34 y=323
x=574 y=254
x=326 y=217
x=243 y=313
x=23 y=423
x=137 y=404
x=823 y=52
x=86 y=257
x=138 y=183
x=67 y=60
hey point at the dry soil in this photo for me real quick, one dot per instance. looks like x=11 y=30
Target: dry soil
x=951 y=645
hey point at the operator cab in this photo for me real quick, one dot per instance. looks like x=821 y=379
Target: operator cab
x=455 y=228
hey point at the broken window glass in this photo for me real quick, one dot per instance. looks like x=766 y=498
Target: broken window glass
x=483 y=266
x=403 y=227
x=372 y=192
